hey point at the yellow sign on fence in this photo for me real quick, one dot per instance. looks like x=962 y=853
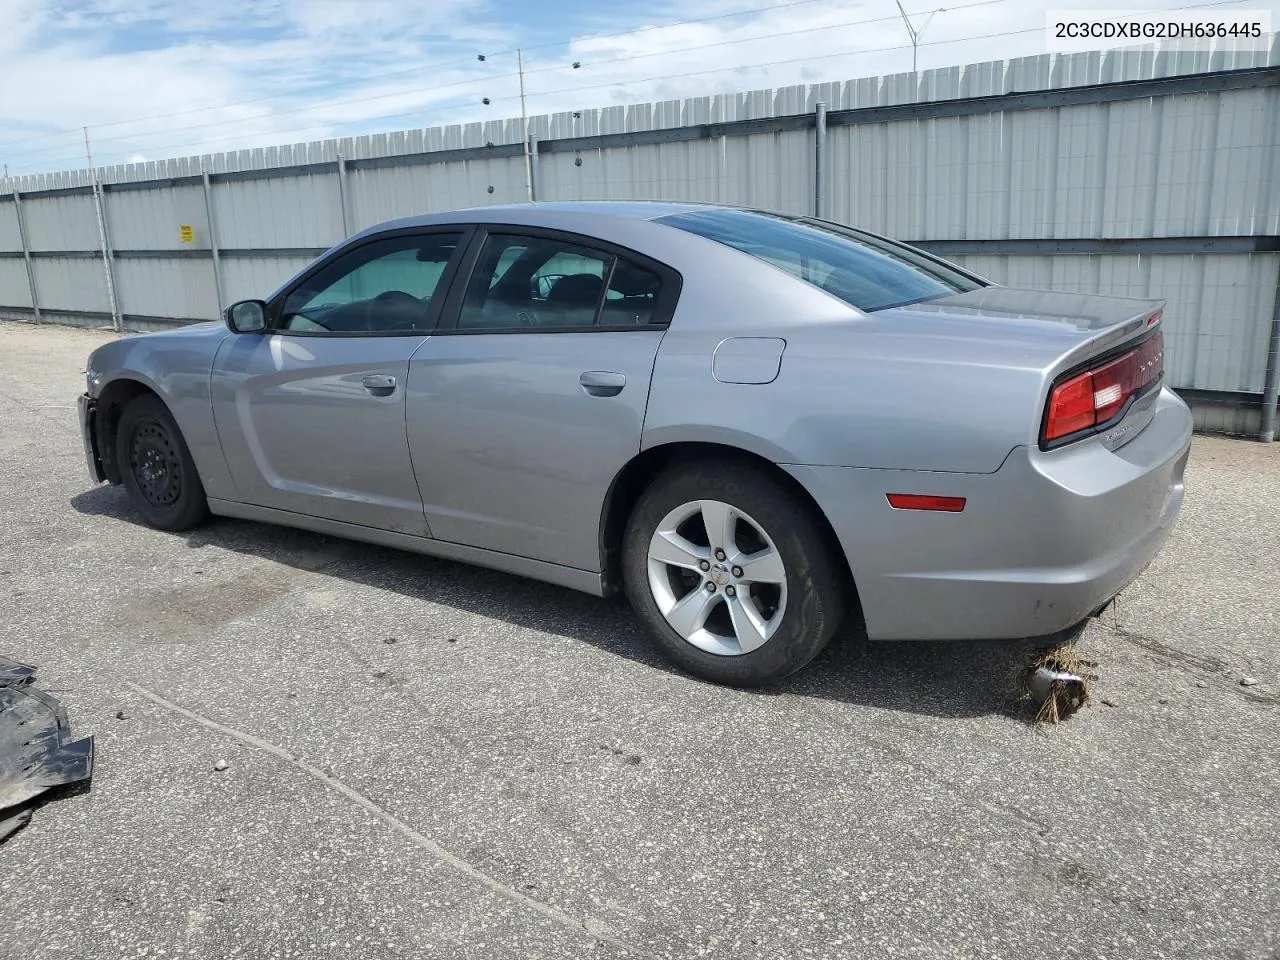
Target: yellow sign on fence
x=188 y=233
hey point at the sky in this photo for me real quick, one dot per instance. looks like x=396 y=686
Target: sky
x=166 y=78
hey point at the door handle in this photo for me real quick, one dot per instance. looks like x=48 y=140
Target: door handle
x=602 y=383
x=379 y=384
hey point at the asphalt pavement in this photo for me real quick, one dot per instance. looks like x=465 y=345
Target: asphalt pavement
x=425 y=759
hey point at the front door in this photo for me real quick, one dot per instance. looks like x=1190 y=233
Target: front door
x=531 y=396
x=311 y=413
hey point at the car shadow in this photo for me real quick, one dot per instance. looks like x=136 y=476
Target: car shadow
x=947 y=679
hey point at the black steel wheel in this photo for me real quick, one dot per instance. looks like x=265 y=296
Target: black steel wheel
x=157 y=468
x=155 y=464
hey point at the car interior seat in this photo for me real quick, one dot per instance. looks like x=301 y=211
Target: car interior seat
x=572 y=301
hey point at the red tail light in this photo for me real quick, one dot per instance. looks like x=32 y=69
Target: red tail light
x=1094 y=398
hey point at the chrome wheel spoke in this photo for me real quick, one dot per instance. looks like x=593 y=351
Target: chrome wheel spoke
x=750 y=627
x=763 y=566
x=721 y=521
x=669 y=547
x=690 y=613
x=714 y=595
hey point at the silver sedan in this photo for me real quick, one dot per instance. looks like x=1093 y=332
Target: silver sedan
x=754 y=424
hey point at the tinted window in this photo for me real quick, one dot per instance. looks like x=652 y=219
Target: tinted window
x=865 y=271
x=383 y=286
x=569 y=262
x=509 y=255
x=631 y=295
x=533 y=282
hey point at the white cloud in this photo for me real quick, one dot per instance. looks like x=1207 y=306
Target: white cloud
x=103 y=62
x=311 y=69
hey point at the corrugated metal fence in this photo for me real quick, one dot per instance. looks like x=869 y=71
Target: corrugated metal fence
x=1126 y=172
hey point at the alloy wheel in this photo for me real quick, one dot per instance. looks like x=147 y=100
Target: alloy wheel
x=717 y=577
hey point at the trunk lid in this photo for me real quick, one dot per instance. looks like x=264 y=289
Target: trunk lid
x=1092 y=324
x=1063 y=335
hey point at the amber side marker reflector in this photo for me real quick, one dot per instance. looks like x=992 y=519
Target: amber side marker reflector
x=912 y=501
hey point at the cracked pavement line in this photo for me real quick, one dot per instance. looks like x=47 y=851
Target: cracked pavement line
x=591 y=928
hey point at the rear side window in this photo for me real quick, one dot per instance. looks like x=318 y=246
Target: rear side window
x=631 y=296
x=529 y=283
x=865 y=271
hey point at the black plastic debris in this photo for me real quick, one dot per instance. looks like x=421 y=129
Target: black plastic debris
x=13 y=672
x=36 y=750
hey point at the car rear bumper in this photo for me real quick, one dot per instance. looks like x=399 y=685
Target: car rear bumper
x=1042 y=543
x=88 y=410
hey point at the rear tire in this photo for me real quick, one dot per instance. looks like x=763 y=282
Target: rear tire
x=732 y=573
x=157 y=468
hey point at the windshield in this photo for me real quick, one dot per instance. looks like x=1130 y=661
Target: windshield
x=865 y=271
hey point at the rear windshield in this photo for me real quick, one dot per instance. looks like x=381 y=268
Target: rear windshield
x=865 y=271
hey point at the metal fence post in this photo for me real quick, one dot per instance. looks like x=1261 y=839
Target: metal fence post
x=524 y=118
x=26 y=254
x=532 y=146
x=819 y=158
x=342 y=196
x=108 y=255
x=213 y=239
x=102 y=236
x=1271 y=382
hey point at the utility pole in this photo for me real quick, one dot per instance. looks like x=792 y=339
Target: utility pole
x=102 y=234
x=913 y=33
x=524 y=117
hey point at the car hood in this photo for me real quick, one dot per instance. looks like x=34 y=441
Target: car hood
x=205 y=329
x=210 y=332
x=151 y=354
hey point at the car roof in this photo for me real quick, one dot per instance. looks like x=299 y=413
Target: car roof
x=722 y=288
x=547 y=212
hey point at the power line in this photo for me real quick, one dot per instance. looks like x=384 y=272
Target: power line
x=413 y=70
x=282 y=113
x=778 y=63
x=773 y=36
x=677 y=23
x=621 y=82
x=630 y=80
x=466 y=83
x=828 y=56
x=274 y=96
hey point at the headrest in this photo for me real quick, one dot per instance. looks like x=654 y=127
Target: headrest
x=576 y=289
x=633 y=281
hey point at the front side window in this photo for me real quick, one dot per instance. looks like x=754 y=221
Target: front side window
x=864 y=271
x=535 y=282
x=386 y=286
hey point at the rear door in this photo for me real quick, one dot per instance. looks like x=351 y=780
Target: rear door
x=311 y=413
x=531 y=396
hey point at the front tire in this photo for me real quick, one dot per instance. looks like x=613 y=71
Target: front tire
x=157 y=468
x=732 y=573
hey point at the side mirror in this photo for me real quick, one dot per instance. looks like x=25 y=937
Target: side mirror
x=247 y=316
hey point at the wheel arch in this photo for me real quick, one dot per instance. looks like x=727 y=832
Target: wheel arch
x=632 y=480
x=112 y=399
